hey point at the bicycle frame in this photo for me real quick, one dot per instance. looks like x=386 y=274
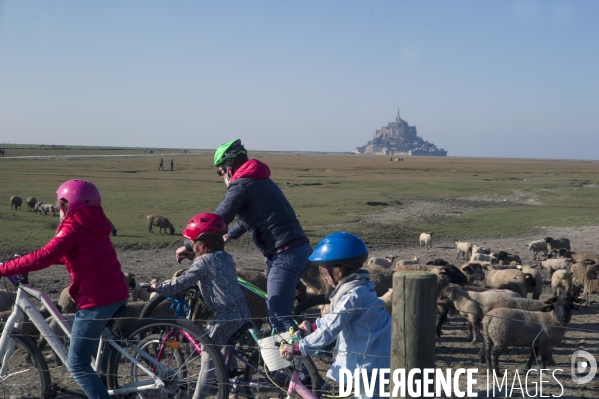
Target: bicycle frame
x=23 y=305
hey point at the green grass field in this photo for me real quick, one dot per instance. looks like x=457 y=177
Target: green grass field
x=329 y=192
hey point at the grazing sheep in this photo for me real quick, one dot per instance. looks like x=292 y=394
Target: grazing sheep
x=426 y=240
x=464 y=248
x=538 y=246
x=31 y=201
x=505 y=258
x=481 y=250
x=470 y=305
x=561 y=282
x=159 y=221
x=405 y=262
x=41 y=207
x=15 y=202
x=385 y=262
x=512 y=279
x=555 y=245
x=478 y=257
x=583 y=280
x=554 y=264
x=541 y=331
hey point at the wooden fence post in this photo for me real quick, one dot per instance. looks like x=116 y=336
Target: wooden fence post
x=413 y=323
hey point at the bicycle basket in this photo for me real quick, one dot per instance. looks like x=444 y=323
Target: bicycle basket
x=269 y=349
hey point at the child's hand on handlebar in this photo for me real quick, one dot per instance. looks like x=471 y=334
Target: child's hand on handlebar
x=286 y=352
x=183 y=253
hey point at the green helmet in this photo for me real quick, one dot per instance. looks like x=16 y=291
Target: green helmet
x=228 y=151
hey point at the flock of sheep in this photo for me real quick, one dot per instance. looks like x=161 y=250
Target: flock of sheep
x=490 y=289
x=33 y=205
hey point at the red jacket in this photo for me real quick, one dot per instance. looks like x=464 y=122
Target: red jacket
x=82 y=243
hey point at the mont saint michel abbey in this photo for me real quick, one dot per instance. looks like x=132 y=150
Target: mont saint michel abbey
x=399 y=138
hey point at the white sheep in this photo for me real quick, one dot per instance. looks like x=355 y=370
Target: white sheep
x=538 y=246
x=479 y=257
x=561 y=282
x=405 y=262
x=41 y=207
x=540 y=331
x=464 y=248
x=554 y=264
x=385 y=262
x=480 y=250
x=426 y=240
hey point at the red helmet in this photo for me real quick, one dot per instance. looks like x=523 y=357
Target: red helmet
x=205 y=226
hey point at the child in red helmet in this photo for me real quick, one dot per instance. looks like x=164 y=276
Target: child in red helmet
x=82 y=243
x=214 y=271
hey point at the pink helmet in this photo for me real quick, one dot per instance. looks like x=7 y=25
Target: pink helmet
x=79 y=193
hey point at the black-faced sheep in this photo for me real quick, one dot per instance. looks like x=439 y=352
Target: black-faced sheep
x=537 y=290
x=512 y=279
x=470 y=305
x=464 y=248
x=505 y=258
x=15 y=202
x=555 y=245
x=540 y=331
x=474 y=272
x=31 y=201
x=426 y=240
x=538 y=246
x=159 y=221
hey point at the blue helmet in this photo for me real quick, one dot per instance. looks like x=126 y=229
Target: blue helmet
x=340 y=248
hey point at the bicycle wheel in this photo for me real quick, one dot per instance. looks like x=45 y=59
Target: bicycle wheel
x=198 y=310
x=23 y=370
x=260 y=382
x=176 y=360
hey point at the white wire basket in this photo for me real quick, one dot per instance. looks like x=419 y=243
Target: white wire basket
x=269 y=349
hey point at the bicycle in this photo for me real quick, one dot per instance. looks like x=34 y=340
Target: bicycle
x=152 y=358
x=258 y=377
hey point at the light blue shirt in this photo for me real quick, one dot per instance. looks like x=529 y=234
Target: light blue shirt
x=362 y=329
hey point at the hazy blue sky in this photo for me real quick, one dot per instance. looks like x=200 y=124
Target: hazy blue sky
x=499 y=78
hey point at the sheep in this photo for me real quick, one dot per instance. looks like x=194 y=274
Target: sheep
x=506 y=258
x=578 y=256
x=515 y=303
x=463 y=248
x=385 y=262
x=554 y=264
x=538 y=246
x=478 y=257
x=405 y=262
x=537 y=290
x=541 y=331
x=561 y=282
x=444 y=306
x=555 y=245
x=480 y=250
x=470 y=304
x=474 y=272
x=582 y=279
x=426 y=240
x=512 y=279
x=41 y=207
x=160 y=221
x=15 y=202
x=31 y=201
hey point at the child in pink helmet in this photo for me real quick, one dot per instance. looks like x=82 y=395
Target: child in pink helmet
x=82 y=243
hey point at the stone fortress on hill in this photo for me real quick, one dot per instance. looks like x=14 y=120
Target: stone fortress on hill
x=399 y=138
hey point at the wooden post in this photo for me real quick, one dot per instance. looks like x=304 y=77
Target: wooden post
x=413 y=323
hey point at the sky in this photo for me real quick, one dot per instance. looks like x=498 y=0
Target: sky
x=513 y=78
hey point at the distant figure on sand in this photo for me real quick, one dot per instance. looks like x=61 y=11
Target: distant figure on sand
x=161 y=167
x=172 y=164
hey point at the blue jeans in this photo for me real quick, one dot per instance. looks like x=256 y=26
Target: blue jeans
x=85 y=335
x=283 y=274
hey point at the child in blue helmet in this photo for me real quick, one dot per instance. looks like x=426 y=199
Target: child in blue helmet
x=357 y=321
